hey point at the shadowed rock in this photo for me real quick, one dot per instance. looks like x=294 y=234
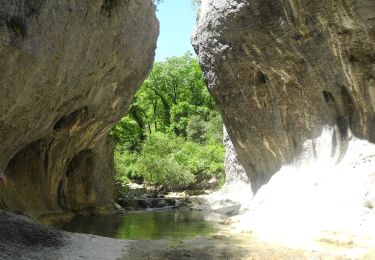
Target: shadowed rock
x=68 y=72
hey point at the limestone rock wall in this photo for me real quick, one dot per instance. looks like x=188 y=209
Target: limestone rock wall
x=234 y=171
x=282 y=70
x=236 y=194
x=68 y=72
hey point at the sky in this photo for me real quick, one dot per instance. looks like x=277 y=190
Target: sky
x=177 y=21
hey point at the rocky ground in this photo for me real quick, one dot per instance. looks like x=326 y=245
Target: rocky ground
x=134 y=196
x=23 y=238
x=228 y=247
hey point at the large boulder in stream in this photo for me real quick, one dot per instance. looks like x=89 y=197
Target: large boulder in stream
x=68 y=72
x=282 y=71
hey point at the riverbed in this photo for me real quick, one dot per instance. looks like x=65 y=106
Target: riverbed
x=170 y=223
x=24 y=238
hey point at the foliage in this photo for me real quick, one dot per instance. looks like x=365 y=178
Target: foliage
x=158 y=164
x=124 y=167
x=128 y=133
x=205 y=129
x=173 y=92
x=172 y=135
x=172 y=162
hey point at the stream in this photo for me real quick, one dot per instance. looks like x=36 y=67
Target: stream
x=169 y=223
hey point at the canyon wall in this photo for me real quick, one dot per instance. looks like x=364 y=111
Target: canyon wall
x=295 y=83
x=281 y=71
x=68 y=72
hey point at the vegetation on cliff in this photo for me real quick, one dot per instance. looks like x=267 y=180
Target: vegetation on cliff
x=172 y=136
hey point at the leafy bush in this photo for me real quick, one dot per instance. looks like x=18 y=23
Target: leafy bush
x=196 y=129
x=128 y=133
x=120 y=168
x=171 y=162
x=158 y=165
x=205 y=128
x=125 y=167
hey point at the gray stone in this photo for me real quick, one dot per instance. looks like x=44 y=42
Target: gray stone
x=281 y=71
x=234 y=171
x=68 y=72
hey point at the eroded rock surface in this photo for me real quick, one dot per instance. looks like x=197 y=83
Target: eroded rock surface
x=68 y=72
x=281 y=71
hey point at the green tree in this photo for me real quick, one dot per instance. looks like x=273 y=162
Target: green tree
x=173 y=92
x=172 y=134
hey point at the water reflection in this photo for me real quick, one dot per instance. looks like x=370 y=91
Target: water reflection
x=172 y=223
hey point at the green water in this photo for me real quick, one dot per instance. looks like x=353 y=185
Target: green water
x=171 y=224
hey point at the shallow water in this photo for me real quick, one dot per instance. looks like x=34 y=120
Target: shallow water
x=157 y=224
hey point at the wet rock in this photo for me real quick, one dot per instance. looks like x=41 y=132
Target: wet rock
x=68 y=72
x=160 y=202
x=163 y=203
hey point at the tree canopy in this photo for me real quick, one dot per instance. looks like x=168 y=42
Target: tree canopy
x=172 y=133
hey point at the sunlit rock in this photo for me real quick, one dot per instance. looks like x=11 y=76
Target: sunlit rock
x=283 y=70
x=318 y=199
x=295 y=83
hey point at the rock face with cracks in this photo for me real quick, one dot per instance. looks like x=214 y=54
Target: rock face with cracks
x=68 y=72
x=281 y=71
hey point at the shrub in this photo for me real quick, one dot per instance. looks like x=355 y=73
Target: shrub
x=171 y=162
x=158 y=165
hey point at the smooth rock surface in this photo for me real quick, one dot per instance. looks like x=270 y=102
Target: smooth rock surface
x=68 y=72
